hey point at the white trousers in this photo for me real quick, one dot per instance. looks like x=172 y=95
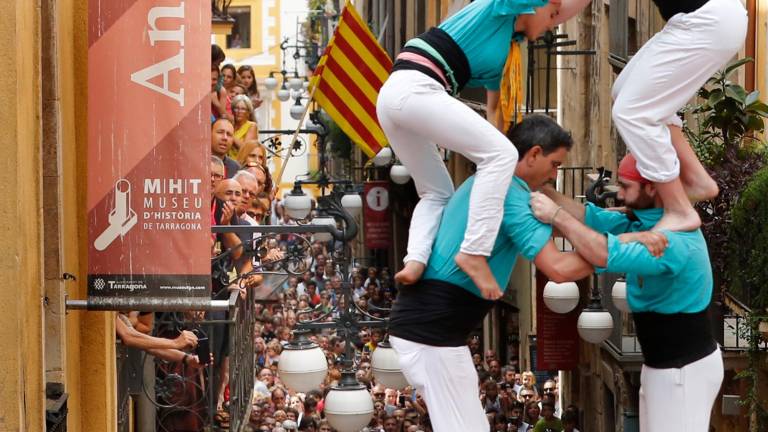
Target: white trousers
x=665 y=73
x=417 y=115
x=680 y=400
x=447 y=379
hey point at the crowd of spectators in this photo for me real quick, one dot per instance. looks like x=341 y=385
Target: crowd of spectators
x=243 y=194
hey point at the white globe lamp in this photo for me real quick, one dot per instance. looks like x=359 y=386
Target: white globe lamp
x=619 y=295
x=297 y=110
x=561 y=297
x=352 y=203
x=283 y=94
x=295 y=83
x=348 y=406
x=327 y=221
x=399 y=174
x=595 y=324
x=386 y=367
x=302 y=366
x=297 y=204
x=270 y=83
x=383 y=157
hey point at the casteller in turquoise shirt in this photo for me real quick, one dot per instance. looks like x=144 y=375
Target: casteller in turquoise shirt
x=520 y=233
x=483 y=30
x=680 y=281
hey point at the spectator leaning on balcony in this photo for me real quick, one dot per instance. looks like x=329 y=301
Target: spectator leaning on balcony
x=166 y=349
x=431 y=320
x=669 y=296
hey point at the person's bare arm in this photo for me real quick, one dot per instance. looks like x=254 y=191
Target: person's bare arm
x=174 y=355
x=133 y=338
x=145 y=323
x=223 y=105
x=562 y=266
x=573 y=208
x=590 y=244
x=569 y=9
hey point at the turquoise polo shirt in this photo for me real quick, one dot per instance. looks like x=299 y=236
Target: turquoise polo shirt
x=680 y=281
x=483 y=30
x=520 y=233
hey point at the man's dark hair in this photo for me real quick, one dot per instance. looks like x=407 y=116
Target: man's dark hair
x=538 y=130
x=547 y=402
x=570 y=417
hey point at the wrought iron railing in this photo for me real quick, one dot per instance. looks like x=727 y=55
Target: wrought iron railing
x=184 y=398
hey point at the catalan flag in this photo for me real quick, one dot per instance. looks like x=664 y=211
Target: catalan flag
x=348 y=78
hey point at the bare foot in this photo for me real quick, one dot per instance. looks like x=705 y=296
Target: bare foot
x=703 y=190
x=476 y=267
x=679 y=222
x=411 y=273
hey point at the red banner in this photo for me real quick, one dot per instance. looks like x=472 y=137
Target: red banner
x=378 y=228
x=557 y=337
x=148 y=149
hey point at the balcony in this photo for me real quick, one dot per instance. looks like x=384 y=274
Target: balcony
x=221 y=22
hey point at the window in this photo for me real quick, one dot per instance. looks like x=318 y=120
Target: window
x=241 y=30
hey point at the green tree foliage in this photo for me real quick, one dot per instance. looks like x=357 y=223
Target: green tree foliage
x=723 y=132
x=748 y=243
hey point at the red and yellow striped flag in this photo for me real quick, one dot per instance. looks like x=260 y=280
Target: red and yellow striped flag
x=348 y=78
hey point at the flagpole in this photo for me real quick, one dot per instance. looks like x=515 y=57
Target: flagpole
x=296 y=134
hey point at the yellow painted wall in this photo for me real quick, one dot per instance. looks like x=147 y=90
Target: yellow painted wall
x=89 y=365
x=21 y=348
x=91 y=335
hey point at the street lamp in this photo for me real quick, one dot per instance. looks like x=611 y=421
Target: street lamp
x=297 y=109
x=561 y=297
x=619 y=295
x=348 y=405
x=399 y=174
x=323 y=220
x=270 y=83
x=295 y=83
x=283 y=94
x=386 y=366
x=302 y=364
x=297 y=203
x=595 y=323
x=352 y=202
x=383 y=157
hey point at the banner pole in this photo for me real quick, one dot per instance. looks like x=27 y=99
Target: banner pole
x=296 y=134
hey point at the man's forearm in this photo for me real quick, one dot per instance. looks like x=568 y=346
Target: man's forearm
x=572 y=207
x=168 y=354
x=232 y=241
x=133 y=338
x=591 y=245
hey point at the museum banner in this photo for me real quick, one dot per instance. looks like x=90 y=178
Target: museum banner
x=148 y=154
